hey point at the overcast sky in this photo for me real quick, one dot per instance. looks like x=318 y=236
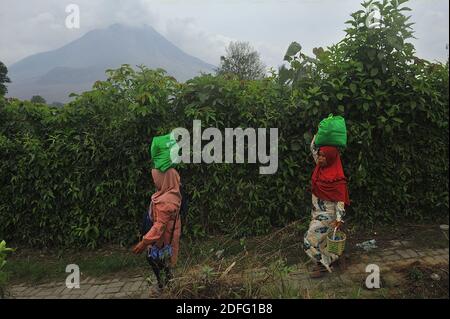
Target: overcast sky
x=203 y=28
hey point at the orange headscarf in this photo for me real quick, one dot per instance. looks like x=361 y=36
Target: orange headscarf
x=168 y=187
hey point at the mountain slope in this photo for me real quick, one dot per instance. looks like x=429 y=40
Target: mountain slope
x=77 y=65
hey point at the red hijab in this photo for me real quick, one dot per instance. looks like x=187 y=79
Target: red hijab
x=329 y=182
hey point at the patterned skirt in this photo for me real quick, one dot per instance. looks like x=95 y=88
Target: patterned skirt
x=323 y=213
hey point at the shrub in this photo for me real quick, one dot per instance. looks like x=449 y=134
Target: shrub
x=80 y=174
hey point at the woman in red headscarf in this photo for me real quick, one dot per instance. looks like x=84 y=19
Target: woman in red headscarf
x=329 y=199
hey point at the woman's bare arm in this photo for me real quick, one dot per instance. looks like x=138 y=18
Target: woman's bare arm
x=314 y=149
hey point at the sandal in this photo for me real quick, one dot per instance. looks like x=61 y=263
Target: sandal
x=318 y=271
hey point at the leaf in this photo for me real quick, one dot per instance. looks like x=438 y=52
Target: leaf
x=382 y=118
x=203 y=97
x=314 y=90
x=371 y=53
x=373 y=72
x=307 y=137
x=339 y=96
x=341 y=108
x=295 y=146
x=293 y=49
x=318 y=52
x=353 y=88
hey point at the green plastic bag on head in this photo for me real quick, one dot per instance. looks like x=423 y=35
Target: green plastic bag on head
x=160 y=151
x=332 y=132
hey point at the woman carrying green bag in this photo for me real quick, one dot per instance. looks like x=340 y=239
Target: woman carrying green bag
x=329 y=198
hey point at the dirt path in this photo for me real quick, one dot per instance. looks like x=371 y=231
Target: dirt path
x=405 y=271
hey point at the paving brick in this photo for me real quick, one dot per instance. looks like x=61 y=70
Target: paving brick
x=392 y=258
x=404 y=263
x=441 y=259
x=73 y=291
x=406 y=243
x=59 y=290
x=387 y=252
x=437 y=252
x=143 y=285
x=376 y=258
x=396 y=243
x=403 y=253
x=431 y=260
x=144 y=295
x=412 y=253
x=112 y=290
x=428 y=252
x=118 y=284
x=120 y=295
x=43 y=293
x=101 y=288
x=91 y=293
x=422 y=253
x=18 y=289
x=32 y=291
x=130 y=286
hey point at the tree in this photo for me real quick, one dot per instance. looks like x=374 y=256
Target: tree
x=38 y=99
x=3 y=79
x=243 y=61
x=57 y=104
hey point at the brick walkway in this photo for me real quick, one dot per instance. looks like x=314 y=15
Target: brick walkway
x=389 y=260
x=399 y=254
x=90 y=288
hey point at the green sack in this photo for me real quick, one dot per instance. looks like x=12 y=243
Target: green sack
x=332 y=132
x=160 y=151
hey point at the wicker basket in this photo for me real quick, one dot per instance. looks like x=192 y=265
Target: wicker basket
x=336 y=246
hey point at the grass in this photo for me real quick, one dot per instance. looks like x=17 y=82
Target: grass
x=37 y=268
x=228 y=267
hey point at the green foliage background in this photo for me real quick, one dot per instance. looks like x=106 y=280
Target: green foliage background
x=80 y=175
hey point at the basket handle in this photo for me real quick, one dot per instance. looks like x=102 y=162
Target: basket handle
x=334 y=233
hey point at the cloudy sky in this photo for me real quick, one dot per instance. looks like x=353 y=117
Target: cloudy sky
x=203 y=28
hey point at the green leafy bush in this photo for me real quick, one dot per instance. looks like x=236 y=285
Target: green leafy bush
x=80 y=174
x=3 y=275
